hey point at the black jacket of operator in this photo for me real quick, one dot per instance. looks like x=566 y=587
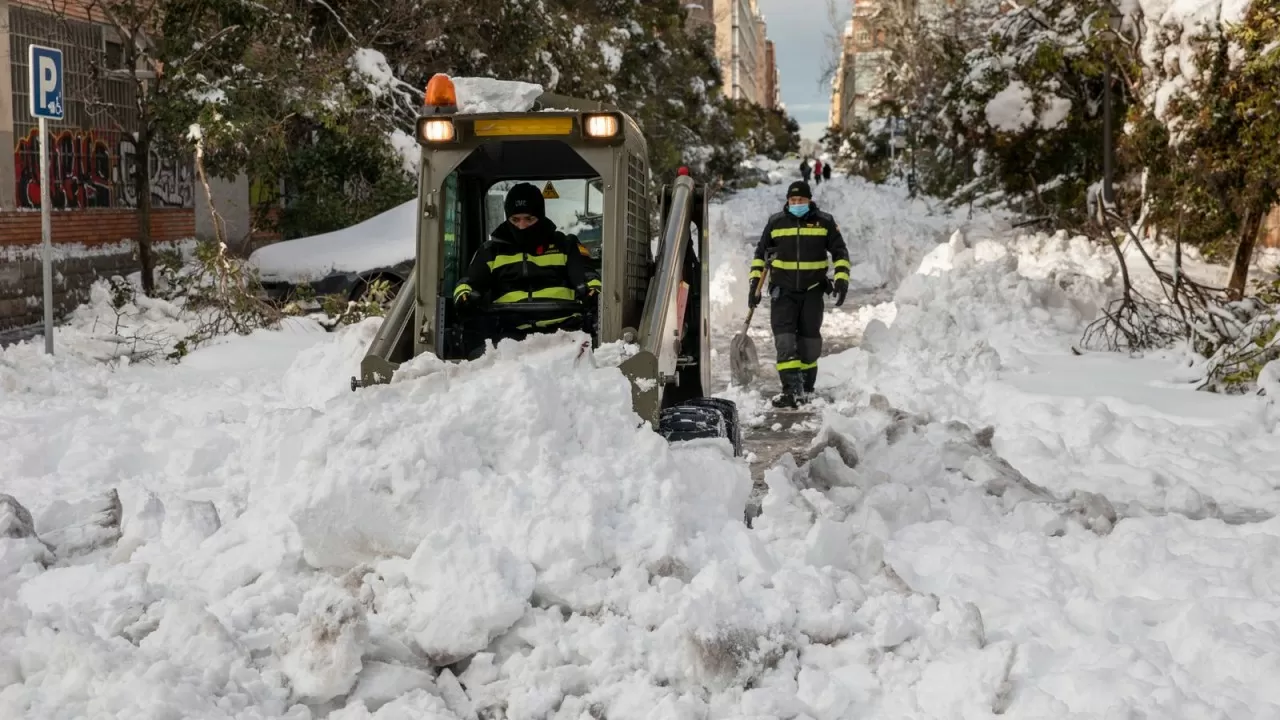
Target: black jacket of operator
x=799 y=248
x=537 y=263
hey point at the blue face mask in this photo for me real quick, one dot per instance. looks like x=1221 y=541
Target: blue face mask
x=798 y=210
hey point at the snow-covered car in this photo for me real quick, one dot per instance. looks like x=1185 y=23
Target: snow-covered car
x=342 y=262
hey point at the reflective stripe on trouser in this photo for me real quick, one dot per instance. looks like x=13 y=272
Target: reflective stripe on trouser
x=796 y=321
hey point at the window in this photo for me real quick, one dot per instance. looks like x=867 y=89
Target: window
x=452 y=231
x=575 y=206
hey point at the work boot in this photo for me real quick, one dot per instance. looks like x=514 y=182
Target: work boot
x=792 y=390
x=810 y=379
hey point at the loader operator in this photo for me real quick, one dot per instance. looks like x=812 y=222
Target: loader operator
x=798 y=240
x=526 y=259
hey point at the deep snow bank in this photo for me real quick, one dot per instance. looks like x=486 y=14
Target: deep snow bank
x=528 y=459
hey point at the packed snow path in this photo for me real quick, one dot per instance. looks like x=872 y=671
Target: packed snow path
x=240 y=536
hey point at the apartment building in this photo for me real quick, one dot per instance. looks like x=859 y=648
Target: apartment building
x=747 y=59
x=855 y=87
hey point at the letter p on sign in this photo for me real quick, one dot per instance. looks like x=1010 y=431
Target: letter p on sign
x=45 y=81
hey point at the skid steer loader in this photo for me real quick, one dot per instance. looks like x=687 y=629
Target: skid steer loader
x=592 y=162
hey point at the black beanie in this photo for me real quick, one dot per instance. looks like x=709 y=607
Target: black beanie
x=525 y=199
x=800 y=188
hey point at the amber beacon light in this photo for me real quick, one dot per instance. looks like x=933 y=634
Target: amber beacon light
x=440 y=92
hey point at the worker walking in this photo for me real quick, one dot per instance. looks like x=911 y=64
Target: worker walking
x=797 y=242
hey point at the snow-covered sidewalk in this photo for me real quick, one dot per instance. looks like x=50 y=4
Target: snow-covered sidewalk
x=988 y=525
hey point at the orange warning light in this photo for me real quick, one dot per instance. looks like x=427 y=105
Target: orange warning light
x=440 y=92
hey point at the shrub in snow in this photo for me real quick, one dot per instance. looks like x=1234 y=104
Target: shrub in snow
x=211 y=296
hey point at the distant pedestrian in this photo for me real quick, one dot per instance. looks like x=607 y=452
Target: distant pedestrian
x=826 y=171
x=817 y=172
x=805 y=170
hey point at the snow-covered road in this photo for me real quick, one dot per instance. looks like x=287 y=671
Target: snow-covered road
x=988 y=525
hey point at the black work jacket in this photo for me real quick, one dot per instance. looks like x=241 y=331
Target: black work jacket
x=799 y=247
x=512 y=267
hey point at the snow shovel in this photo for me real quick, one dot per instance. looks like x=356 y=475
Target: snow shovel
x=743 y=360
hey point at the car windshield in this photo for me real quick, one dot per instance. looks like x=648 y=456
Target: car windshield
x=575 y=206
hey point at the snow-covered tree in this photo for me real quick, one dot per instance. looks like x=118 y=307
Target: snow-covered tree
x=1027 y=105
x=1209 y=131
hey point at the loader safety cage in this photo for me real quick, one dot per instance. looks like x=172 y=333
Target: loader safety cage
x=655 y=298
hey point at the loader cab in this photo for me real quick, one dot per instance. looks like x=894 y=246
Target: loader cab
x=591 y=161
x=574 y=205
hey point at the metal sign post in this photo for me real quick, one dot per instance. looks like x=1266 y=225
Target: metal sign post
x=47 y=93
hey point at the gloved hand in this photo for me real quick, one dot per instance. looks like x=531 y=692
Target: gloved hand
x=462 y=298
x=842 y=289
x=753 y=293
x=585 y=293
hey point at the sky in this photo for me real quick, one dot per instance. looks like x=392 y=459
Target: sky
x=798 y=29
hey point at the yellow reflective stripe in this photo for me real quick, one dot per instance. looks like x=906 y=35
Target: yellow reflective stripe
x=806 y=265
x=796 y=365
x=593 y=283
x=841 y=264
x=554 y=293
x=784 y=232
x=502 y=260
x=462 y=288
x=813 y=286
x=808 y=366
x=757 y=263
x=555 y=259
x=756 y=274
x=842 y=276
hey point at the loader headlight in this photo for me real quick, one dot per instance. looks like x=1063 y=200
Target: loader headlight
x=436 y=130
x=601 y=126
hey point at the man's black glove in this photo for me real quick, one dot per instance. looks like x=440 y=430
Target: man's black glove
x=753 y=293
x=841 y=289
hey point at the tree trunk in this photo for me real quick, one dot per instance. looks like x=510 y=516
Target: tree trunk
x=142 y=185
x=1244 y=251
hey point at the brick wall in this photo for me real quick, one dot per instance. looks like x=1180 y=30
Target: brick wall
x=88 y=244
x=94 y=227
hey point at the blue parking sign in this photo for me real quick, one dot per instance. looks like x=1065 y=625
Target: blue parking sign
x=48 y=99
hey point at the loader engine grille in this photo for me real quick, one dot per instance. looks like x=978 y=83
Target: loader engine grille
x=638 y=252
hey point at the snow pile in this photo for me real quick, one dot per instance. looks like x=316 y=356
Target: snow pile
x=478 y=95
x=552 y=473
x=383 y=240
x=984 y=332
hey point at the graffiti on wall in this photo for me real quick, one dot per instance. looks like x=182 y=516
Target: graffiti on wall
x=92 y=169
x=79 y=170
x=172 y=184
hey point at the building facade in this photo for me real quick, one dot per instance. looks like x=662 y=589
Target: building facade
x=772 y=86
x=748 y=66
x=93 y=162
x=856 y=85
